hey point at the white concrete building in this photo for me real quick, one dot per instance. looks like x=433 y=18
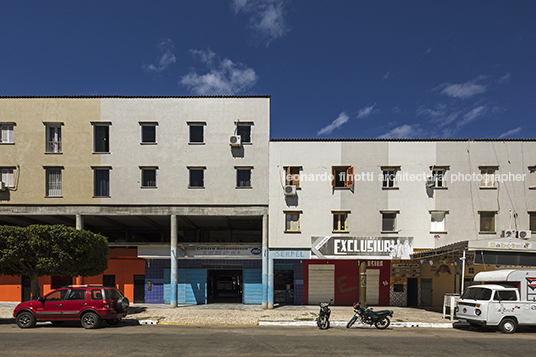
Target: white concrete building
x=382 y=200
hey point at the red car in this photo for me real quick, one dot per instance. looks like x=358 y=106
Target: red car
x=89 y=304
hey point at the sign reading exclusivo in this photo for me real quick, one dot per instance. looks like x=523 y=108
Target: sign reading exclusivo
x=329 y=247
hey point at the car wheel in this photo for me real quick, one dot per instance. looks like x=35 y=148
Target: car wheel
x=383 y=323
x=508 y=325
x=25 y=319
x=112 y=322
x=90 y=320
x=122 y=304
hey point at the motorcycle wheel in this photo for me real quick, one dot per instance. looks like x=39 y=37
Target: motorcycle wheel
x=351 y=322
x=323 y=323
x=383 y=323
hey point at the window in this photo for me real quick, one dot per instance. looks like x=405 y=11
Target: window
x=389 y=221
x=56 y=296
x=487 y=222
x=292 y=221
x=6 y=133
x=196 y=133
x=488 y=177
x=292 y=175
x=148 y=133
x=53 y=182
x=148 y=177
x=438 y=177
x=532 y=221
x=101 y=182
x=340 y=221
x=244 y=130
x=53 y=144
x=7 y=177
x=342 y=176
x=197 y=177
x=437 y=221
x=389 y=177
x=243 y=177
x=532 y=183
x=508 y=295
x=101 y=138
x=77 y=294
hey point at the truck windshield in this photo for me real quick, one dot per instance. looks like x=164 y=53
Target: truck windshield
x=477 y=294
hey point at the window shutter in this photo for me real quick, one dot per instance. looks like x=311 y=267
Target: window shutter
x=333 y=173
x=349 y=177
x=533 y=177
x=287 y=175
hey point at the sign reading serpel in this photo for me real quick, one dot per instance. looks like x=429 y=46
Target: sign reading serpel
x=361 y=247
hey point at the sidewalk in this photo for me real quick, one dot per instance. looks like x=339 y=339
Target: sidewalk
x=238 y=314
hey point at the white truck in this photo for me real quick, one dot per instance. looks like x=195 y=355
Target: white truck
x=506 y=299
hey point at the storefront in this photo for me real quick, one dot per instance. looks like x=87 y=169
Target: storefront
x=333 y=270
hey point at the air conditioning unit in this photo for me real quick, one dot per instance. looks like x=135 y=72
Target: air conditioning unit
x=509 y=233
x=290 y=190
x=235 y=140
x=2 y=186
x=524 y=234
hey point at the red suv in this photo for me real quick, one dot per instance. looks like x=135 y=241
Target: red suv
x=89 y=304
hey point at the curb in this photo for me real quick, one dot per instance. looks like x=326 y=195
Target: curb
x=301 y=323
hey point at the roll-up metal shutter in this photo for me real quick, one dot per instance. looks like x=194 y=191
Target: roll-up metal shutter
x=252 y=286
x=373 y=286
x=321 y=283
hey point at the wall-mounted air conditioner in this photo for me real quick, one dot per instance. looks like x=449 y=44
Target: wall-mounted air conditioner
x=235 y=140
x=509 y=233
x=524 y=234
x=290 y=190
x=2 y=186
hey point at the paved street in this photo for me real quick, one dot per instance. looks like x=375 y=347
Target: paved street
x=160 y=340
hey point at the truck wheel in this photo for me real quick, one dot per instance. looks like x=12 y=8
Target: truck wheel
x=508 y=325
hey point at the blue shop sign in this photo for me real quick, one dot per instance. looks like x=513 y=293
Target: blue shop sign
x=290 y=254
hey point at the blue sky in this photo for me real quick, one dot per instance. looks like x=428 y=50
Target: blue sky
x=334 y=69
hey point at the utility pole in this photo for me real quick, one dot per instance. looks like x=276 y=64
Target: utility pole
x=363 y=283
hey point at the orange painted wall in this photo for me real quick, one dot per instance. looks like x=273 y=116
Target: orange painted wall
x=123 y=263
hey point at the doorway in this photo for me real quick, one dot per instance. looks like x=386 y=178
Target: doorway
x=139 y=288
x=413 y=292
x=284 y=285
x=224 y=286
x=426 y=292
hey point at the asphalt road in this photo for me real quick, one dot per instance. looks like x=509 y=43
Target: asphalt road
x=162 y=340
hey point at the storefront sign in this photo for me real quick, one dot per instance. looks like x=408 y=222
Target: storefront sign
x=222 y=252
x=329 y=247
x=510 y=245
x=290 y=254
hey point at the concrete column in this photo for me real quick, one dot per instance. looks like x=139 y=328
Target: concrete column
x=265 y=257
x=79 y=221
x=363 y=283
x=270 y=282
x=174 y=262
x=79 y=280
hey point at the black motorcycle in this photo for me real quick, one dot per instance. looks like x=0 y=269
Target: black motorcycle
x=378 y=318
x=322 y=321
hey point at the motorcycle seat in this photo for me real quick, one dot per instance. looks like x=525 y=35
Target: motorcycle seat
x=383 y=312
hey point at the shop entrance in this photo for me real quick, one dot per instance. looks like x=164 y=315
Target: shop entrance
x=224 y=286
x=284 y=285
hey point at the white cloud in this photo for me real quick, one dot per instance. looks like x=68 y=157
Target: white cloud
x=167 y=58
x=472 y=115
x=365 y=111
x=510 y=132
x=505 y=78
x=223 y=77
x=266 y=17
x=343 y=118
x=464 y=90
x=403 y=131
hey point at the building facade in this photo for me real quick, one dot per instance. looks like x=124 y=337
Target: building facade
x=200 y=206
x=143 y=171
x=381 y=201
